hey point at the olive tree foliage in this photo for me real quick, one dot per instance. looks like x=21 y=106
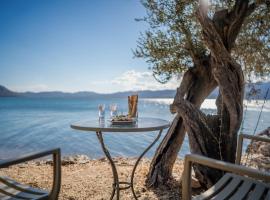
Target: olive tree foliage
x=174 y=42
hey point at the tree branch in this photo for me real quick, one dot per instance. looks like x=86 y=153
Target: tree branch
x=251 y=9
x=189 y=43
x=240 y=12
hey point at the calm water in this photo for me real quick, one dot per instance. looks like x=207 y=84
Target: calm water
x=32 y=124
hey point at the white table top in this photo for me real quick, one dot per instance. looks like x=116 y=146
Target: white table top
x=142 y=125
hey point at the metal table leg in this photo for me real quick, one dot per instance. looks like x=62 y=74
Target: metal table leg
x=116 y=183
x=115 y=174
x=138 y=160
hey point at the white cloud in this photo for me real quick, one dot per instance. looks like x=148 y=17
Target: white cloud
x=134 y=80
x=129 y=80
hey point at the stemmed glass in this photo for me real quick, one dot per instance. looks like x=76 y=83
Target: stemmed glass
x=113 y=109
x=101 y=111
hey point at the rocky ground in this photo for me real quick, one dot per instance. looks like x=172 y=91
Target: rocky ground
x=258 y=153
x=83 y=178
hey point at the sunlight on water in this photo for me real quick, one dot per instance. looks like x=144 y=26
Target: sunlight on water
x=211 y=103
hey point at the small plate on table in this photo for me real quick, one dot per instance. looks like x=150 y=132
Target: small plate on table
x=122 y=120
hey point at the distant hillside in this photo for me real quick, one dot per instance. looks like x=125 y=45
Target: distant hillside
x=56 y=94
x=146 y=94
x=261 y=87
x=4 y=92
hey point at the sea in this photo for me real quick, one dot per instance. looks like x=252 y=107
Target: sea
x=34 y=124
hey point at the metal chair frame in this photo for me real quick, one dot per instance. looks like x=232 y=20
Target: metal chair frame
x=56 y=153
x=225 y=166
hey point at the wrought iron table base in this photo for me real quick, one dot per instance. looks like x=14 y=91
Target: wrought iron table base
x=116 y=182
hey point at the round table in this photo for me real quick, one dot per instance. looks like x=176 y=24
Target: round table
x=142 y=125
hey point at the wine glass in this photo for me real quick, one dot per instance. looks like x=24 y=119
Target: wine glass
x=113 y=109
x=101 y=111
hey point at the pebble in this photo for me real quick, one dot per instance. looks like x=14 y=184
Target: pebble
x=259 y=153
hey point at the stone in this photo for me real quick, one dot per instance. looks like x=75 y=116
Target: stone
x=81 y=159
x=194 y=181
x=103 y=159
x=68 y=160
x=258 y=153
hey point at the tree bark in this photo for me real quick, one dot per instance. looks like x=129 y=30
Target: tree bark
x=214 y=136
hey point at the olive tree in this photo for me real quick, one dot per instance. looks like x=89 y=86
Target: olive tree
x=217 y=44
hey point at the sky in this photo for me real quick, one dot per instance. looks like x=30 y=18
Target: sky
x=71 y=45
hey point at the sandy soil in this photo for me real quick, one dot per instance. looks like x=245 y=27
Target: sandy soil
x=92 y=179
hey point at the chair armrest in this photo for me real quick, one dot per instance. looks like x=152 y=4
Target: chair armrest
x=217 y=164
x=56 y=167
x=25 y=158
x=241 y=137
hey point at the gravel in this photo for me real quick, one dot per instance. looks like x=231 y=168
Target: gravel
x=83 y=178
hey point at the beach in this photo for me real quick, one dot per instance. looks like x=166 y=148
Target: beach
x=87 y=179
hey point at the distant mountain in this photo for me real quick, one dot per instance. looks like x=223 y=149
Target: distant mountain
x=259 y=92
x=57 y=94
x=146 y=94
x=261 y=88
x=4 y=92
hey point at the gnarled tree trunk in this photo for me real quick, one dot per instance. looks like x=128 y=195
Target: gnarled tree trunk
x=214 y=136
x=196 y=85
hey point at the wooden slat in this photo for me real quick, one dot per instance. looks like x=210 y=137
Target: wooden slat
x=242 y=192
x=257 y=192
x=12 y=193
x=267 y=197
x=229 y=185
x=229 y=190
x=7 y=197
x=23 y=188
x=215 y=188
x=3 y=197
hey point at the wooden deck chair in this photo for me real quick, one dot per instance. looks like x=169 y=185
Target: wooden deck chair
x=238 y=184
x=12 y=190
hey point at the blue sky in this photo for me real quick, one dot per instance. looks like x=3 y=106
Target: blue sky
x=72 y=45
